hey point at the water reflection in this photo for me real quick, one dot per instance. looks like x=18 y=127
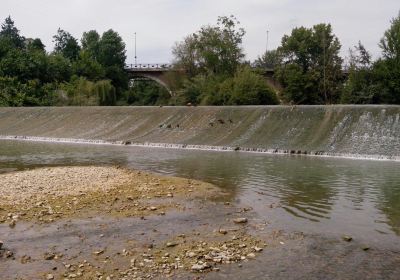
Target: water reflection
x=316 y=194
x=390 y=204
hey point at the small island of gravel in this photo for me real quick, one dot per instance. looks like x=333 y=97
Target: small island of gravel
x=99 y=222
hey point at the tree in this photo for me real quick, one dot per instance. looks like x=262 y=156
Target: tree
x=185 y=56
x=59 y=68
x=10 y=33
x=88 y=67
x=269 y=60
x=249 y=88
x=23 y=65
x=145 y=93
x=112 y=50
x=112 y=56
x=390 y=43
x=90 y=43
x=66 y=44
x=36 y=44
x=387 y=69
x=213 y=49
x=359 y=88
x=311 y=66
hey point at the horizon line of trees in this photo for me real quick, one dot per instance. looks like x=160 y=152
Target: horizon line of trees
x=307 y=66
x=90 y=71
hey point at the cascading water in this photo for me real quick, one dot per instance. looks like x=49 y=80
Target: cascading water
x=345 y=131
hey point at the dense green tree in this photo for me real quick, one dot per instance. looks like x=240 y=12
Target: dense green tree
x=23 y=64
x=359 y=88
x=390 y=43
x=213 y=49
x=112 y=50
x=145 y=92
x=66 y=44
x=204 y=90
x=36 y=44
x=59 y=68
x=90 y=43
x=87 y=67
x=82 y=92
x=269 y=60
x=10 y=33
x=185 y=56
x=245 y=88
x=10 y=92
x=112 y=56
x=251 y=88
x=387 y=69
x=311 y=66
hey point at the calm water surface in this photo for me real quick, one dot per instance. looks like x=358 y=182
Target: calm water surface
x=309 y=194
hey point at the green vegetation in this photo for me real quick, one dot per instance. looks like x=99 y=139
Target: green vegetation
x=70 y=75
x=311 y=69
x=210 y=69
x=215 y=72
x=379 y=81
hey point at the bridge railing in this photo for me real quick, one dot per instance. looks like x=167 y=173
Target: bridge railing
x=149 y=66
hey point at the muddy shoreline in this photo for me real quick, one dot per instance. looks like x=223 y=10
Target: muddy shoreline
x=117 y=223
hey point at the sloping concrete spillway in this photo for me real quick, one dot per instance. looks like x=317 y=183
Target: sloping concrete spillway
x=353 y=131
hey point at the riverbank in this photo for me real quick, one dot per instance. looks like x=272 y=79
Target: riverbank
x=59 y=222
x=47 y=194
x=121 y=224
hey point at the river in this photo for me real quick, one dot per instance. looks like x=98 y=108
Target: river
x=314 y=195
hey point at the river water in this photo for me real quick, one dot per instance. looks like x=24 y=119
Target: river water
x=325 y=196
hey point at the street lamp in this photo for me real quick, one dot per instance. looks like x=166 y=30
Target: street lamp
x=135 y=51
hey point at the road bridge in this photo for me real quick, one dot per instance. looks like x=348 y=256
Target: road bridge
x=157 y=72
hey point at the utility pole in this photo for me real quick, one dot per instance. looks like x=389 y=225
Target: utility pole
x=324 y=50
x=135 y=51
x=266 y=50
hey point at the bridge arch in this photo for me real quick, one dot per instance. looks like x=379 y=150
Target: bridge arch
x=155 y=72
x=154 y=78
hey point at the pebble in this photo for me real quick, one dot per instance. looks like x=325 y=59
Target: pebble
x=49 y=256
x=172 y=244
x=200 y=266
x=257 y=249
x=347 y=238
x=97 y=253
x=191 y=254
x=12 y=224
x=365 y=248
x=251 y=255
x=240 y=220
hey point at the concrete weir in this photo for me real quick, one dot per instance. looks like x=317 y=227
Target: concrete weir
x=345 y=131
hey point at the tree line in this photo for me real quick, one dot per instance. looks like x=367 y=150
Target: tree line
x=90 y=73
x=307 y=65
x=210 y=70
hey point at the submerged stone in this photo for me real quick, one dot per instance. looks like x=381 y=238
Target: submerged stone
x=347 y=238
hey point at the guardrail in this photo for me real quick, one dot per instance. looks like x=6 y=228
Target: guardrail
x=149 y=66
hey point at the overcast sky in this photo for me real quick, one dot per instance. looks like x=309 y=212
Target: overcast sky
x=161 y=23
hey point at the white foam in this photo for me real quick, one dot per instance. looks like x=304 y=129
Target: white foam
x=201 y=147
